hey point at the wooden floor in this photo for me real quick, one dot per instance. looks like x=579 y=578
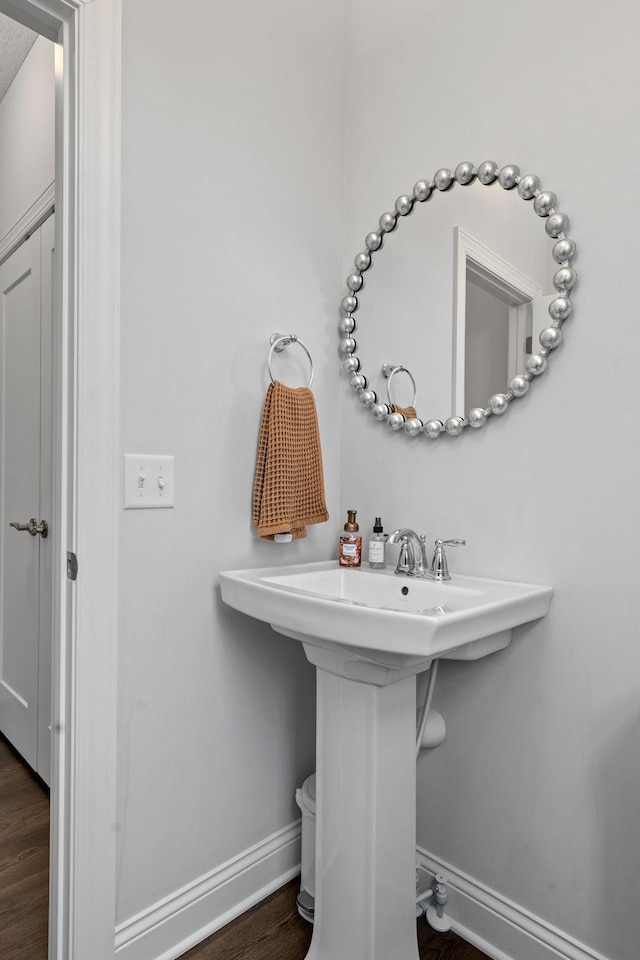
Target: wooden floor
x=273 y=931
x=24 y=859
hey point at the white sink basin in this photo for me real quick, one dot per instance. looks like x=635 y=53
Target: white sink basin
x=378 y=612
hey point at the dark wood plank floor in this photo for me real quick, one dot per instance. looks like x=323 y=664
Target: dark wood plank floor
x=24 y=859
x=273 y=931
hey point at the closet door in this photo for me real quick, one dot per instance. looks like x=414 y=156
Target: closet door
x=24 y=554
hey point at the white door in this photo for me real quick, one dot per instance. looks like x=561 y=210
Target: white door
x=25 y=495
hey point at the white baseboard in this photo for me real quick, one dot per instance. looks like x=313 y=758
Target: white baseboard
x=165 y=930
x=497 y=926
x=492 y=923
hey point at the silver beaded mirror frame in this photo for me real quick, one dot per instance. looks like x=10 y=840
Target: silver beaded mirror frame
x=560 y=308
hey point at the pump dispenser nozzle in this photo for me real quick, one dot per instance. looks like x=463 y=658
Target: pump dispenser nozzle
x=351 y=525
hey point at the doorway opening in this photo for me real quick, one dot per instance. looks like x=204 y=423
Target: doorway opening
x=27 y=247
x=83 y=522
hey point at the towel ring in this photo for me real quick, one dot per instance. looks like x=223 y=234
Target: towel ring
x=278 y=342
x=389 y=372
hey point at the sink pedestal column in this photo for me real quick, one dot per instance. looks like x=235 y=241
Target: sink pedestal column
x=366 y=811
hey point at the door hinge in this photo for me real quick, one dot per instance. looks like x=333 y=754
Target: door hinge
x=72 y=566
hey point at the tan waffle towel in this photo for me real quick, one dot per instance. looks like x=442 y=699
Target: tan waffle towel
x=407 y=412
x=288 y=487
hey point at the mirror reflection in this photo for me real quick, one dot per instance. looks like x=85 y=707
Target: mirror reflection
x=459 y=294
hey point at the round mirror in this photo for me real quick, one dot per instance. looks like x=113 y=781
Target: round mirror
x=464 y=306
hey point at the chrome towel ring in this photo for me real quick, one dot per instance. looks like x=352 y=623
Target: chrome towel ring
x=278 y=343
x=389 y=371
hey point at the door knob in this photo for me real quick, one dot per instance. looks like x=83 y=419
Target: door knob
x=32 y=527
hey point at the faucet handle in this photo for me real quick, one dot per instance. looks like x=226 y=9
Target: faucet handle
x=439 y=566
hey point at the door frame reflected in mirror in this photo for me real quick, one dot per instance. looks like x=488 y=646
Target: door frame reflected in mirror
x=475 y=262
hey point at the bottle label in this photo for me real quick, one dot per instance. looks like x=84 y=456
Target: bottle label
x=376 y=551
x=350 y=551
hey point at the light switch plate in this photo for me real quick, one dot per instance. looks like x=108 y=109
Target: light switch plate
x=149 y=481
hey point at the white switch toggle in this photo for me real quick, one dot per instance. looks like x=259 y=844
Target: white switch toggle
x=148 y=481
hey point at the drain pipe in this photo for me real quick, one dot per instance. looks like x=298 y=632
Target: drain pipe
x=424 y=716
x=435 y=910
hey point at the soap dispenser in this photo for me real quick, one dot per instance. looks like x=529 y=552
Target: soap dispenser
x=350 y=554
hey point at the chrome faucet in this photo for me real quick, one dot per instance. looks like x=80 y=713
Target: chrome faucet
x=417 y=565
x=408 y=563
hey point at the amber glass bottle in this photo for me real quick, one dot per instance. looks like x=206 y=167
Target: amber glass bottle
x=350 y=554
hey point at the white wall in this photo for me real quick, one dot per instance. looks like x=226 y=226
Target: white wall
x=27 y=120
x=232 y=202
x=232 y=218
x=534 y=793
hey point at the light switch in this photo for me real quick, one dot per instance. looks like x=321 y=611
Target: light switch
x=148 y=481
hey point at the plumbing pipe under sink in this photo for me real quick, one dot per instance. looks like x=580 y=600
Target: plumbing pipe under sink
x=424 y=716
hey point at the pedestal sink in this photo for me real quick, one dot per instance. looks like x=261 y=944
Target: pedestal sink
x=369 y=633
